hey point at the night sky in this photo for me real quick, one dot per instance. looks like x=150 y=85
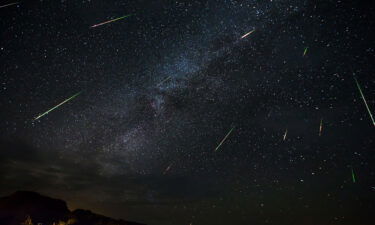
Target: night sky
x=160 y=89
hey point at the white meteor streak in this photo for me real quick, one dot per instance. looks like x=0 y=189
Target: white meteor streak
x=222 y=141
x=110 y=21
x=321 y=127
x=364 y=100
x=286 y=132
x=14 y=3
x=247 y=34
x=167 y=169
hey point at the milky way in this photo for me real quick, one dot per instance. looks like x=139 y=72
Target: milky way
x=133 y=119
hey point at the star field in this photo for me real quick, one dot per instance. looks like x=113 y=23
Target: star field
x=160 y=89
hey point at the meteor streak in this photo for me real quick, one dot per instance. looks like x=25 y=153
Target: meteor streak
x=353 y=176
x=55 y=107
x=166 y=79
x=286 y=132
x=110 y=21
x=226 y=136
x=364 y=100
x=14 y=3
x=247 y=34
x=321 y=127
x=167 y=169
x=305 y=51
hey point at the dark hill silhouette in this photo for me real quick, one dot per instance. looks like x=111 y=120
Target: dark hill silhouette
x=21 y=205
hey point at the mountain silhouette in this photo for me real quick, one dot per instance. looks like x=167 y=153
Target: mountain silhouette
x=26 y=207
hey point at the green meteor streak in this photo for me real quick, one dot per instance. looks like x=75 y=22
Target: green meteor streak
x=364 y=100
x=50 y=110
x=305 y=51
x=226 y=136
x=166 y=79
x=353 y=176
